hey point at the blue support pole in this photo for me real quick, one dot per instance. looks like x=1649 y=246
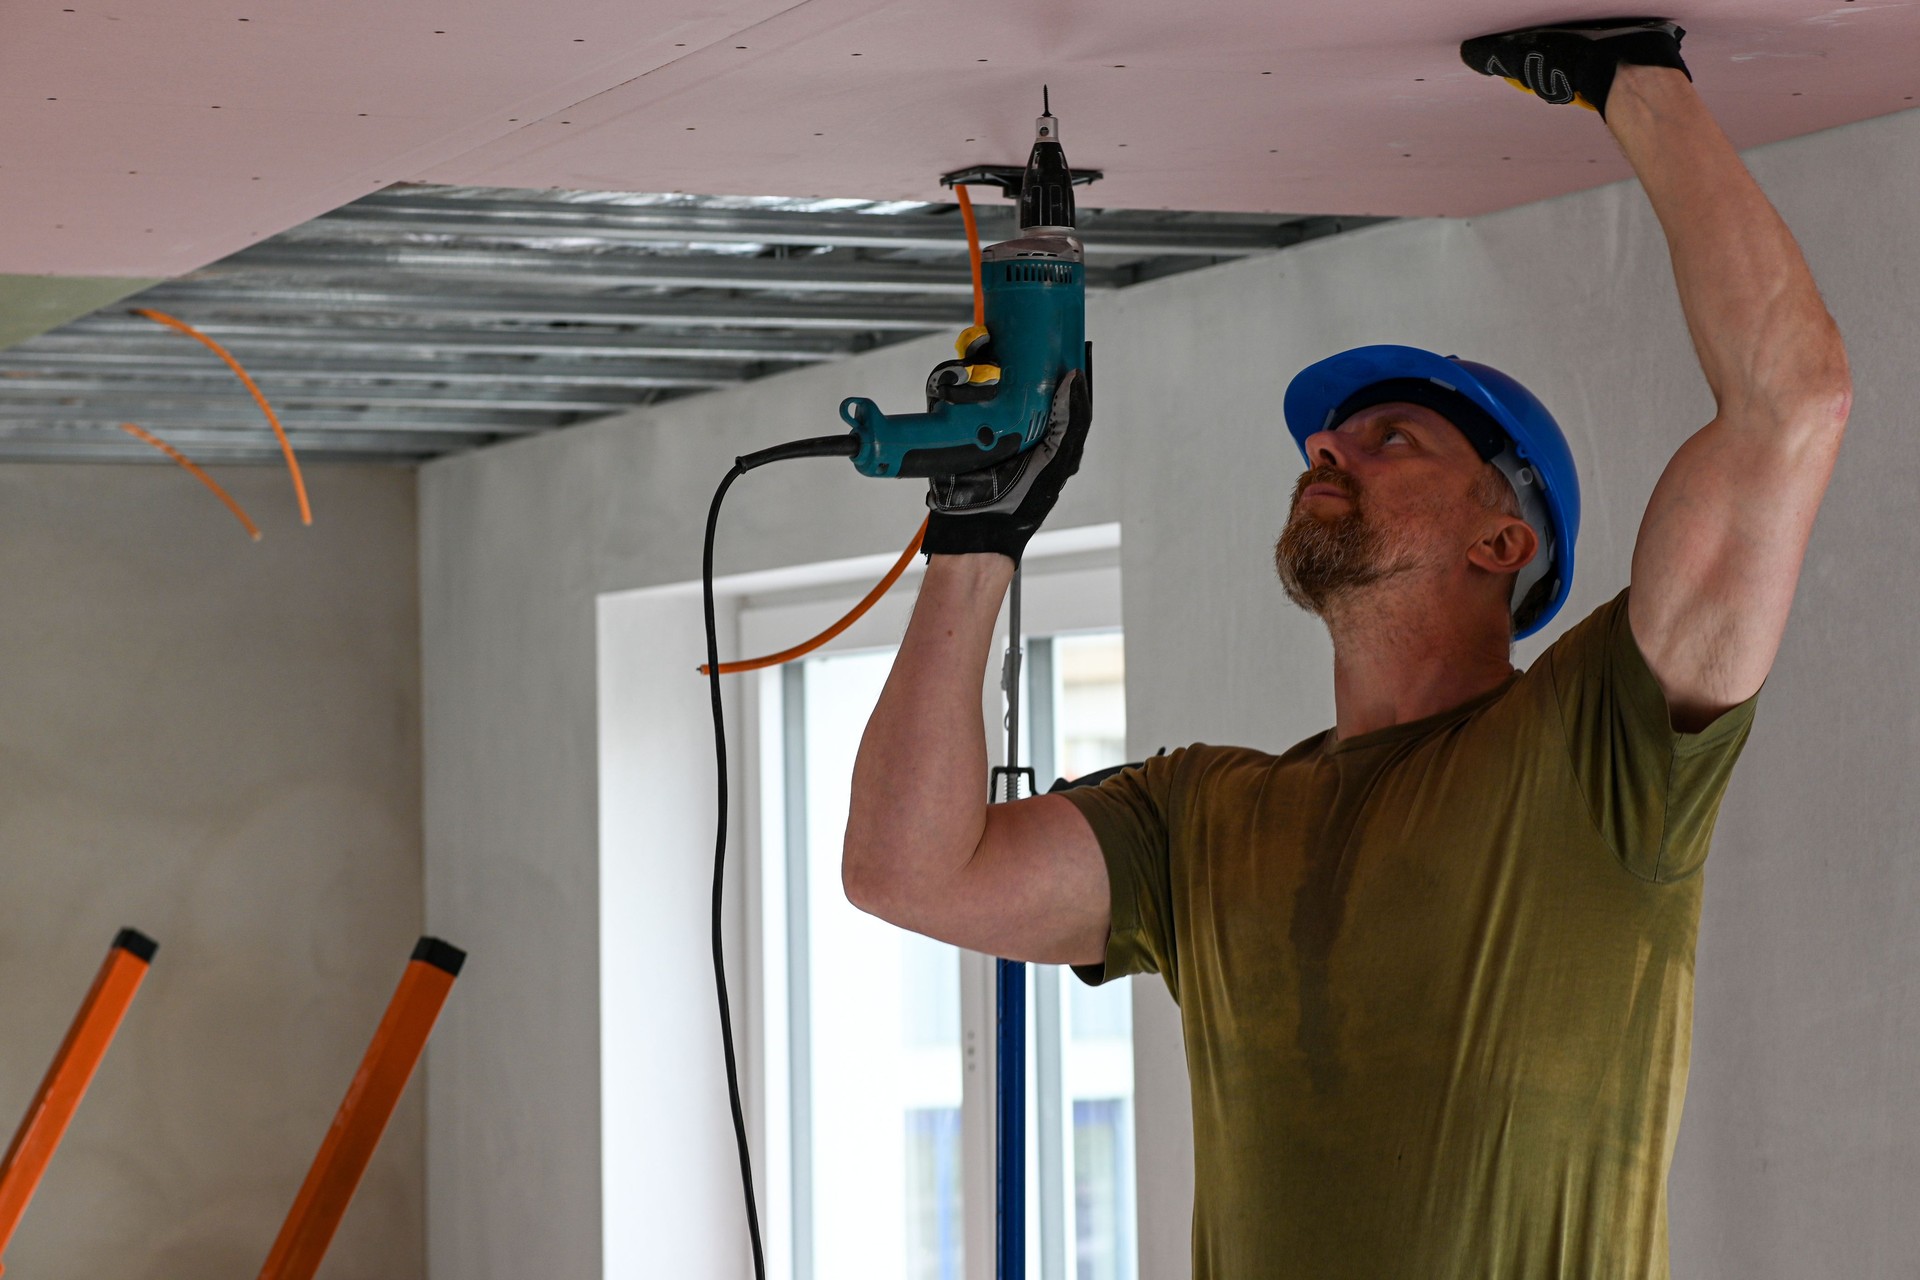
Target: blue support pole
x=1010 y=1121
x=1010 y=1005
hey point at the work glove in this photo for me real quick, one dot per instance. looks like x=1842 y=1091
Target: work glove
x=999 y=507
x=1575 y=61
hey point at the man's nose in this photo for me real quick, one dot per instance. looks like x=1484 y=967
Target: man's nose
x=1326 y=449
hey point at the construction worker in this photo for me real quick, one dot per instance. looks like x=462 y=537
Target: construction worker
x=1434 y=965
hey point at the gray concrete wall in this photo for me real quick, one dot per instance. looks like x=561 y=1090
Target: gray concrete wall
x=215 y=741
x=1801 y=1149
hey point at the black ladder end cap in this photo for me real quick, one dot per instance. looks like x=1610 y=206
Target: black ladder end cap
x=136 y=944
x=441 y=955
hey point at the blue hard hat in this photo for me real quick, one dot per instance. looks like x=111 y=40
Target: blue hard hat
x=1484 y=397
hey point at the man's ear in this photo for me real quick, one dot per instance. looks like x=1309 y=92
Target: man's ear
x=1508 y=549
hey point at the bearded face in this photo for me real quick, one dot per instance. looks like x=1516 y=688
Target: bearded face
x=1329 y=549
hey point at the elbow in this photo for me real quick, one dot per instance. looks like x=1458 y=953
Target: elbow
x=1818 y=418
x=862 y=877
x=1808 y=412
x=1819 y=405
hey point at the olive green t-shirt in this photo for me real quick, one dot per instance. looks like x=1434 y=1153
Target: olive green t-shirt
x=1436 y=981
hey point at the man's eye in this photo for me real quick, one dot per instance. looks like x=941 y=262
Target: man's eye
x=1392 y=432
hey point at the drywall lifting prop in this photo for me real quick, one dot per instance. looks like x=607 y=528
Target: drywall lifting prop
x=1010 y=1009
x=397 y=1045
x=72 y=1071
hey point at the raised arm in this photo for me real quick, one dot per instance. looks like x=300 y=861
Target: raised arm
x=1724 y=534
x=924 y=850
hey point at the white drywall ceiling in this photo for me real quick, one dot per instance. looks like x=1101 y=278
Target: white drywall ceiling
x=149 y=140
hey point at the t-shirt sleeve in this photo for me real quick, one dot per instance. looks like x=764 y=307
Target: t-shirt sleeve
x=1131 y=816
x=1653 y=792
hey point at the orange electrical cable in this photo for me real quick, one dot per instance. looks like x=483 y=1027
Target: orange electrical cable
x=847 y=619
x=885 y=584
x=973 y=254
x=239 y=512
x=273 y=419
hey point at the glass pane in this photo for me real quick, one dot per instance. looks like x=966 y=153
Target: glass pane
x=884 y=1041
x=1090 y=733
x=1099 y=1165
x=1090 y=714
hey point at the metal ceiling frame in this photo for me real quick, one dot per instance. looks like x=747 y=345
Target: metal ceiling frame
x=421 y=321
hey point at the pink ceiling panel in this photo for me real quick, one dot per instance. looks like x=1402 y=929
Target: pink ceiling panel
x=217 y=122
x=248 y=117
x=1232 y=104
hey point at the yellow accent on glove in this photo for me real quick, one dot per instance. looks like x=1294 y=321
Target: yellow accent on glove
x=1579 y=100
x=979 y=373
x=970 y=337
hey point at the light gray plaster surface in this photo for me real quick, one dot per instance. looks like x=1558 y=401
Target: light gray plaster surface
x=215 y=741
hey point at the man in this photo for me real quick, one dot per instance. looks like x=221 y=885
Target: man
x=1435 y=964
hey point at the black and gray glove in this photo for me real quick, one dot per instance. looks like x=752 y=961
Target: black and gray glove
x=1575 y=61
x=998 y=508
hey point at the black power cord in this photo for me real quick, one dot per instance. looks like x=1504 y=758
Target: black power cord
x=843 y=446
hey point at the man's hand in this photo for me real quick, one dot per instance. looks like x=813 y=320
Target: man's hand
x=999 y=508
x=1575 y=62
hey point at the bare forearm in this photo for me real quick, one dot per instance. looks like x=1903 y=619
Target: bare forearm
x=920 y=779
x=1766 y=343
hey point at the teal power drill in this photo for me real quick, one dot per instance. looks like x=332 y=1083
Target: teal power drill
x=1035 y=288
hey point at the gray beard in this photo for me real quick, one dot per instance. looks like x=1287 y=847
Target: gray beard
x=1322 y=561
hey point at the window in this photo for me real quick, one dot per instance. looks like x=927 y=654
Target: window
x=1082 y=1070
x=883 y=1068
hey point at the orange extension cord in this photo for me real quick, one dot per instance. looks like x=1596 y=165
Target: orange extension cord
x=239 y=512
x=273 y=419
x=885 y=584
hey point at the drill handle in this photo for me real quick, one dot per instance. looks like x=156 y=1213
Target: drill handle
x=898 y=454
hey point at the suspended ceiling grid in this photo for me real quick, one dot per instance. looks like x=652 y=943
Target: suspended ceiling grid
x=423 y=321
x=145 y=141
